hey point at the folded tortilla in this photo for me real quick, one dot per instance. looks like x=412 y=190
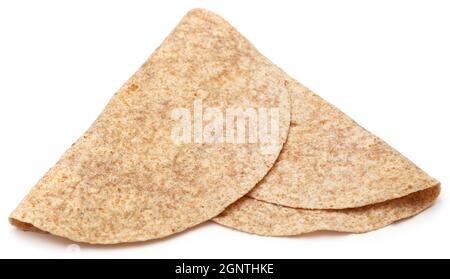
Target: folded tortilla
x=267 y=219
x=332 y=174
x=125 y=179
x=331 y=162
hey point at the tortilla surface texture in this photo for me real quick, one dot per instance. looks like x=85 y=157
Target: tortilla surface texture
x=331 y=162
x=125 y=180
x=267 y=219
x=331 y=175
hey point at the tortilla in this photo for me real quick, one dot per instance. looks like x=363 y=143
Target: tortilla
x=331 y=175
x=331 y=162
x=125 y=179
x=267 y=219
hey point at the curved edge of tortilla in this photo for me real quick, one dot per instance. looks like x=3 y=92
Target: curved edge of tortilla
x=32 y=226
x=24 y=226
x=267 y=219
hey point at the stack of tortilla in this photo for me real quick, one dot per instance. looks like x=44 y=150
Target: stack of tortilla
x=125 y=180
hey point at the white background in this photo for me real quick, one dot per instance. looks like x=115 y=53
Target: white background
x=384 y=63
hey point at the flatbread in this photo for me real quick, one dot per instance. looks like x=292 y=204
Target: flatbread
x=125 y=179
x=331 y=162
x=331 y=175
x=267 y=219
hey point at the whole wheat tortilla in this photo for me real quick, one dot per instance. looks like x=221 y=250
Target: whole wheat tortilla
x=262 y=218
x=330 y=162
x=125 y=180
x=352 y=180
